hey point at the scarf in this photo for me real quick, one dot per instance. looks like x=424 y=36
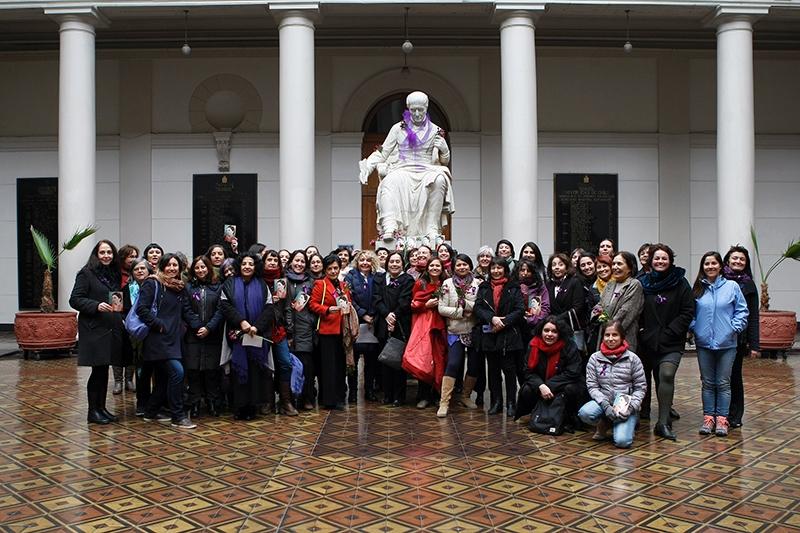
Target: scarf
x=108 y=276
x=738 y=277
x=424 y=291
x=172 y=284
x=295 y=277
x=600 y=285
x=538 y=346
x=448 y=266
x=270 y=274
x=248 y=299
x=497 y=290
x=463 y=283
x=616 y=352
x=655 y=282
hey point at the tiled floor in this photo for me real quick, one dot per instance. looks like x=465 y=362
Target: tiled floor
x=373 y=468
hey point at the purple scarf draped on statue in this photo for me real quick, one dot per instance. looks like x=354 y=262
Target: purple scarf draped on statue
x=249 y=301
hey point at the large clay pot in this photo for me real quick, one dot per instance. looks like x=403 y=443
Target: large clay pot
x=37 y=331
x=777 y=329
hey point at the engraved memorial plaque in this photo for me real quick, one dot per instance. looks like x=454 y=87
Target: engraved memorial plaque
x=586 y=210
x=37 y=206
x=222 y=200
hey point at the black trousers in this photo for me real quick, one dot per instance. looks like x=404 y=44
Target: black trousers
x=331 y=370
x=736 y=410
x=203 y=383
x=97 y=387
x=503 y=365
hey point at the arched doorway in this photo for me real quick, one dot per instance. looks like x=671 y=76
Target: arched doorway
x=380 y=119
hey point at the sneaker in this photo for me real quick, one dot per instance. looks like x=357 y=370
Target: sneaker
x=722 y=427
x=184 y=423
x=708 y=425
x=158 y=417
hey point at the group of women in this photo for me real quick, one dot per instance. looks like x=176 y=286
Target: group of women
x=591 y=328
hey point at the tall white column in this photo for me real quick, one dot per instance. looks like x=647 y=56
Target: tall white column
x=76 y=139
x=735 y=126
x=297 y=153
x=519 y=152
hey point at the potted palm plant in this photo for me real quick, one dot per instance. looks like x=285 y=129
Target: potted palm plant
x=777 y=328
x=48 y=329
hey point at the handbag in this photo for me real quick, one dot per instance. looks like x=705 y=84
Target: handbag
x=133 y=323
x=392 y=353
x=578 y=337
x=547 y=417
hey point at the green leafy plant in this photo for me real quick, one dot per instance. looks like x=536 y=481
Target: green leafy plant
x=792 y=252
x=49 y=257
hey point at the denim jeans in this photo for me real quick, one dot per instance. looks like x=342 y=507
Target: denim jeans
x=715 y=373
x=591 y=413
x=282 y=361
x=168 y=388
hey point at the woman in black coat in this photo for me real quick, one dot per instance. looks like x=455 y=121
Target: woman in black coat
x=301 y=323
x=566 y=293
x=553 y=366
x=668 y=310
x=163 y=344
x=737 y=267
x=246 y=304
x=391 y=297
x=100 y=328
x=500 y=311
x=203 y=346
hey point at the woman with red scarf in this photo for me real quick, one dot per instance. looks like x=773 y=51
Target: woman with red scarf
x=500 y=310
x=425 y=357
x=554 y=367
x=615 y=379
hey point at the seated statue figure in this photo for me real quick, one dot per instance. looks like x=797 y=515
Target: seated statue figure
x=415 y=194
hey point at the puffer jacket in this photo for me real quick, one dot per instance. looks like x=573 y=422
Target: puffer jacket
x=457 y=324
x=607 y=377
x=720 y=315
x=301 y=326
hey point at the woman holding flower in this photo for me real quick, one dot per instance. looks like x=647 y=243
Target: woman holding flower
x=623 y=299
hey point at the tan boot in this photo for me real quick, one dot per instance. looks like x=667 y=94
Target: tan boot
x=286 y=407
x=448 y=384
x=466 y=397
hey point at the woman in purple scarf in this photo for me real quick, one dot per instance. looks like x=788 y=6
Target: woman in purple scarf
x=246 y=304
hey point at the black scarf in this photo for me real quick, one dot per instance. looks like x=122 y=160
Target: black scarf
x=655 y=282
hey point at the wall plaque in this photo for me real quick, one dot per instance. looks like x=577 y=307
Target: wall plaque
x=37 y=206
x=222 y=200
x=586 y=210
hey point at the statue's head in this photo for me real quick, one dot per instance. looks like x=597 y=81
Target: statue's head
x=417 y=104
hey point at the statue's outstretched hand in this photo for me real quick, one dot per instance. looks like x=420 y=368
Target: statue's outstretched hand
x=363 y=171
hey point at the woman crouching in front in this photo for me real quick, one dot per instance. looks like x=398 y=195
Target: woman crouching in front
x=615 y=379
x=554 y=367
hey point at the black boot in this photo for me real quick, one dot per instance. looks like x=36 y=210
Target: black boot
x=286 y=407
x=352 y=388
x=511 y=409
x=663 y=430
x=194 y=410
x=101 y=404
x=497 y=407
x=211 y=407
x=95 y=416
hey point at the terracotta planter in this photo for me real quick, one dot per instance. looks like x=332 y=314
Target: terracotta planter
x=37 y=331
x=777 y=329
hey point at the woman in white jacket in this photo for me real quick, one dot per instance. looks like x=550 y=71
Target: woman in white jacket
x=455 y=305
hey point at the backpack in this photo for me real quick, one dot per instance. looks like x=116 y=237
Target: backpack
x=547 y=417
x=137 y=329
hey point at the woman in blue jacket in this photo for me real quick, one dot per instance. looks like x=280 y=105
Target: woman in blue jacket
x=720 y=316
x=360 y=280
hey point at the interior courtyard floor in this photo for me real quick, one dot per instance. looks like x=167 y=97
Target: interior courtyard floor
x=375 y=468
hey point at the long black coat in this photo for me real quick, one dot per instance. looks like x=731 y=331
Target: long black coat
x=166 y=326
x=394 y=297
x=512 y=307
x=101 y=335
x=665 y=320
x=570 y=296
x=204 y=354
x=263 y=323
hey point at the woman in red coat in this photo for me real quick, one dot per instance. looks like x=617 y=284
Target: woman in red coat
x=329 y=298
x=425 y=357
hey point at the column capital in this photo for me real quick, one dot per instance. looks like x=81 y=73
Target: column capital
x=747 y=13
x=87 y=15
x=503 y=11
x=282 y=11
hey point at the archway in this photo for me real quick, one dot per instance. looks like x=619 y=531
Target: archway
x=379 y=120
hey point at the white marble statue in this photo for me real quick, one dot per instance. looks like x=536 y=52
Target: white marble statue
x=415 y=194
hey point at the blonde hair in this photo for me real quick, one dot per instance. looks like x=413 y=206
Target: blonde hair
x=369 y=254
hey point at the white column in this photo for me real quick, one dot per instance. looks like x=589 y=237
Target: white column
x=519 y=153
x=76 y=139
x=735 y=126
x=297 y=153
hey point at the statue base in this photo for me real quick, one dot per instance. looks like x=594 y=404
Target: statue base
x=407 y=242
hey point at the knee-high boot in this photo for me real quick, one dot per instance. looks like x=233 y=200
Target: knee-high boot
x=286 y=407
x=466 y=396
x=448 y=384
